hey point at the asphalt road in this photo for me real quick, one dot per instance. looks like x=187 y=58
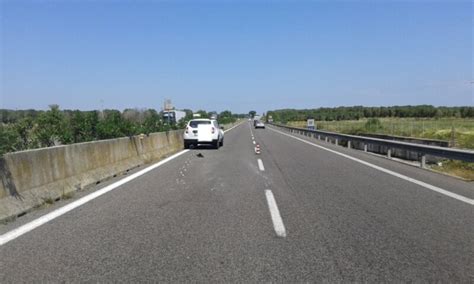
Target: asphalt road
x=213 y=219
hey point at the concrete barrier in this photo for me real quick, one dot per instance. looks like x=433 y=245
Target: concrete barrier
x=3 y=192
x=31 y=178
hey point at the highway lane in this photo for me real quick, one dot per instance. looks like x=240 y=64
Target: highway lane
x=380 y=225
x=208 y=219
x=454 y=185
x=189 y=220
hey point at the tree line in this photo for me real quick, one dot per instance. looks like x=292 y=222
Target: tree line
x=359 y=112
x=29 y=129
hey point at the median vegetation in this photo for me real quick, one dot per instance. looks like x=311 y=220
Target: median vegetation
x=29 y=129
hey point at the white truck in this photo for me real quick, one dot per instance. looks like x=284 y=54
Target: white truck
x=203 y=132
x=173 y=116
x=256 y=118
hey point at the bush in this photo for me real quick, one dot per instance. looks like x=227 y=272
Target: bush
x=373 y=125
x=8 y=139
x=52 y=128
x=21 y=130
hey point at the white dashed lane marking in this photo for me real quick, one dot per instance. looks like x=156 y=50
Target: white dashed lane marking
x=275 y=213
x=260 y=165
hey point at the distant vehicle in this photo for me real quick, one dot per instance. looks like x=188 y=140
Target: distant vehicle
x=173 y=116
x=203 y=132
x=259 y=124
x=213 y=116
x=255 y=119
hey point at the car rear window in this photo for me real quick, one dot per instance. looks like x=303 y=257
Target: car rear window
x=195 y=123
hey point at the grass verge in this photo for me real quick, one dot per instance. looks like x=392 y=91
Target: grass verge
x=456 y=168
x=459 y=132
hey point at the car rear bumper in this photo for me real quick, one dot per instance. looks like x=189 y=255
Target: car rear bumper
x=197 y=142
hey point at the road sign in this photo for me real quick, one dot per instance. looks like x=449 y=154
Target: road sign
x=310 y=124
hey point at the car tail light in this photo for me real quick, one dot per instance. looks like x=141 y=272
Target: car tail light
x=187 y=130
x=213 y=130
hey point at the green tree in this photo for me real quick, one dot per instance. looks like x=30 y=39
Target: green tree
x=8 y=139
x=52 y=128
x=226 y=117
x=111 y=125
x=189 y=115
x=83 y=125
x=203 y=113
x=152 y=122
x=78 y=125
x=23 y=129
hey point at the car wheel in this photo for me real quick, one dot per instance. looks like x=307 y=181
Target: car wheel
x=222 y=143
x=186 y=145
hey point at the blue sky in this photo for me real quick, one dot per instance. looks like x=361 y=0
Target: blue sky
x=218 y=55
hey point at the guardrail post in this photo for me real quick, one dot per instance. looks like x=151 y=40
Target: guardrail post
x=326 y=139
x=336 y=142
x=389 y=153
x=423 y=161
x=365 y=147
x=349 y=144
x=319 y=137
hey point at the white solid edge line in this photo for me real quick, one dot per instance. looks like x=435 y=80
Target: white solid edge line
x=63 y=210
x=275 y=213
x=233 y=127
x=260 y=165
x=15 y=233
x=404 y=177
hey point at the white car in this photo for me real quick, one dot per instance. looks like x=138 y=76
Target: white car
x=259 y=124
x=203 y=132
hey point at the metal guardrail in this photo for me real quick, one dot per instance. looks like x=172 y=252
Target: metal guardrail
x=423 y=150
